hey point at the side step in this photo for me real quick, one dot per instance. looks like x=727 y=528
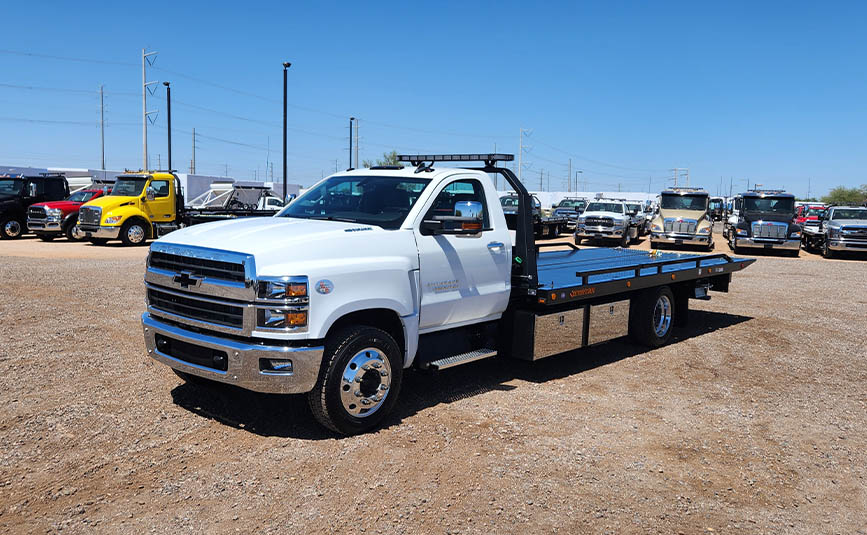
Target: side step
x=463 y=358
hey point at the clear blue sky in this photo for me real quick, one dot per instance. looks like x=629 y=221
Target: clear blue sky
x=772 y=92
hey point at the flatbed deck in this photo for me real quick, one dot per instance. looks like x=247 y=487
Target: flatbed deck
x=580 y=275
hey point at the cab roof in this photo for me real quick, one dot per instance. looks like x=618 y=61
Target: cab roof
x=684 y=191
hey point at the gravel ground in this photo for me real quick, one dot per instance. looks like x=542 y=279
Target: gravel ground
x=751 y=421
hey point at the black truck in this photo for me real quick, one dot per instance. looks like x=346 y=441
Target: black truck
x=763 y=219
x=17 y=193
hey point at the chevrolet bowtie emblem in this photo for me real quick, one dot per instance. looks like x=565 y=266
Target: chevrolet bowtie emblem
x=186 y=279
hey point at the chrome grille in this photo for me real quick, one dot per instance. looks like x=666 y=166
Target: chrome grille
x=680 y=226
x=599 y=222
x=197 y=309
x=89 y=215
x=855 y=232
x=201 y=267
x=770 y=229
x=36 y=212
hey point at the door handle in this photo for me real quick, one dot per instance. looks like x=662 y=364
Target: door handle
x=496 y=245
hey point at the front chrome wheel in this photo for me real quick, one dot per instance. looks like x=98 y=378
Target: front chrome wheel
x=12 y=228
x=365 y=382
x=662 y=316
x=135 y=233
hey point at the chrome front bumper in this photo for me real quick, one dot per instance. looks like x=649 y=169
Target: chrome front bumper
x=243 y=367
x=768 y=243
x=110 y=233
x=598 y=232
x=837 y=244
x=679 y=239
x=43 y=225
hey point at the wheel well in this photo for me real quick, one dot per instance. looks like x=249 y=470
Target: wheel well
x=146 y=225
x=381 y=318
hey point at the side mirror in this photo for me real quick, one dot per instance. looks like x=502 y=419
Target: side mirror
x=150 y=193
x=467 y=219
x=32 y=190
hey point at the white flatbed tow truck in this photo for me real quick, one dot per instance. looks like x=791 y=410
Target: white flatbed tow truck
x=374 y=271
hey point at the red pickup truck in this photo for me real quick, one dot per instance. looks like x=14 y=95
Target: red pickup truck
x=809 y=214
x=49 y=220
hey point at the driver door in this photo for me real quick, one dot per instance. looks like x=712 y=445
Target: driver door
x=463 y=278
x=162 y=207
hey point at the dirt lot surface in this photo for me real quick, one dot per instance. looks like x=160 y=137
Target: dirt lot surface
x=752 y=421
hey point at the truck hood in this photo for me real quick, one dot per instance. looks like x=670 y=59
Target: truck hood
x=848 y=223
x=110 y=202
x=65 y=206
x=764 y=216
x=282 y=245
x=612 y=215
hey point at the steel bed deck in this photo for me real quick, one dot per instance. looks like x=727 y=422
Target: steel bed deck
x=577 y=275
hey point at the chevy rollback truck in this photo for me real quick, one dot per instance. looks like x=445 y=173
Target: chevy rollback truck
x=375 y=271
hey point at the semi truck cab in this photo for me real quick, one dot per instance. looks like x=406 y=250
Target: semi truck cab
x=141 y=206
x=683 y=219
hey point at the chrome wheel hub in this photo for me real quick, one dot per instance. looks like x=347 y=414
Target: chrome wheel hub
x=662 y=316
x=135 y=234
x=365 y=382
x=12 y=228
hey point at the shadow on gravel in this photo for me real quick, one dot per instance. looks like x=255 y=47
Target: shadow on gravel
x=288 y=416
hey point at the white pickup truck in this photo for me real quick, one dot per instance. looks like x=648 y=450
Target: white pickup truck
x=375 y=271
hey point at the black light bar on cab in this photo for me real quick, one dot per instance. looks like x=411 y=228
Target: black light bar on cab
x=490 y=158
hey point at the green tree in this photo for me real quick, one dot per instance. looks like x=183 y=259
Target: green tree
x=388 y=158
x=844 y=195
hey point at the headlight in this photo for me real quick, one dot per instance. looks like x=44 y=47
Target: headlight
x=796 y=234
x=656 y=228
x=274 y=318
x=56 y=212
x=284 y=289
x=704 y=230
x=833 y=232
x=743 y=232
x=113 y=219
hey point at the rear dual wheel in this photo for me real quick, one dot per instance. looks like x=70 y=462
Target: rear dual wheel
x=11 y=228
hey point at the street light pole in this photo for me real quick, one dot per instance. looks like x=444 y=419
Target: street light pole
x=350 y=142
x=576 y=179
x=169 y=119
x=286 y=66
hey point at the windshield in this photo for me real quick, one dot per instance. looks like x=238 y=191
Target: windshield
x=572 y=203
x=684 y=202
x=715 y=205
x=815 y=211
x=509 y=201
x=81 y=196
x=11 y=186
x=613 y=207
x=849 y=213
x=634 y=207
x=129 y=186
x=777 y=205
x=372 y=200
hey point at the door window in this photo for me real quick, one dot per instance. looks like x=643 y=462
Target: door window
x=161 y=188
x=460 y=191
x=55 y=189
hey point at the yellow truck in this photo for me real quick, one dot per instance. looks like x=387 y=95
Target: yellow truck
x=141 y=206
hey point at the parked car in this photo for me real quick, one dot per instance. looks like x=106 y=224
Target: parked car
x=544 y=226
x=606 y=220
x=374 y=271
x=841 y=228
x=639 y=219
x=49 y=220
x=682 y=219
x=763 y=219
x=808 y=215
x=17 y=194
x=570 y=208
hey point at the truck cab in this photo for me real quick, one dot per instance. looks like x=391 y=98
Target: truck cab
x=683 y=219
x=19 y=193
x=605 y=219
x=570 y=208
x=809 y=215
x=763 y=219
x=141 y=206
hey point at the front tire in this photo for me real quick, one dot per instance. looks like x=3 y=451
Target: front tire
x=827 y=252
x=651 y=316
x=359 y=380
x=70 y=232
x=133 y=233
x=11 y=228
x=624 y=241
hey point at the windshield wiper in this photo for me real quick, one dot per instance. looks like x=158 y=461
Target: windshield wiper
x=333 y=218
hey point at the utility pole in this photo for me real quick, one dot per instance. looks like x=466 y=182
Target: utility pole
x=159 y=162
x=569 y=177
x=687 y=177
x=350 y=141
x=356 y=143
x=520 y=153
x=144 y=106
x=102 y=128
x=540 y=180
x=676 y=173
x=169 y=120
x=808 y=186
x=193 y=161
x=286 y=66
